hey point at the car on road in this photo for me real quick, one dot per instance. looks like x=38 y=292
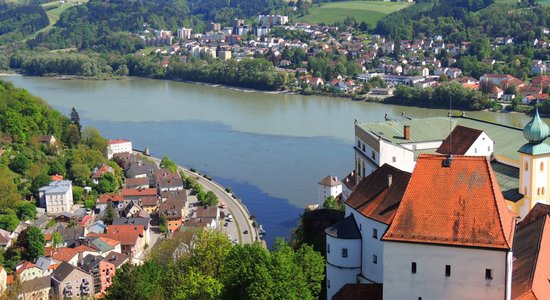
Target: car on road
x=226 y=224
x=245 y=232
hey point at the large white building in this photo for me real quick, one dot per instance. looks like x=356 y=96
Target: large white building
x=118 y=146
x=430 y=235
x=57 y=197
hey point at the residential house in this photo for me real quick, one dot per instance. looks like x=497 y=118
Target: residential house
x=36 y=289
x=131 y=238
x=97 y=227
x=117 y=259
x=47 y=264
x=136 y=183
x=208 y=214
x=132 y=209
x=102 y=271
x=118 y=146
x=173 y=211
x=145 y=222
x=28 y=271
x=5 y=238
x=139 y=169
x=100 y=171
x=69 y=281
x=179 y=196
x=57 y=197
x=136 y=194
x=329 y=186
x=48 y=139
x=115 y=200
x=165 y=180
x=149 y=204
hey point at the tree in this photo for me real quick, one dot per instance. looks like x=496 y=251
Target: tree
x=39 y=181
x=72 y=136
x=168 y=164
x=89 y=203
x=26 y=211
x=209 y=198
x=57 y=239
x=163 y=224
x=195 y=285
x=32 y=241
x=110 y=214
x=9 y=222
x=75 y=120
x=20 y=164
x=93 y=139
x=107 y=183
x=210 y=250
x=332 y=203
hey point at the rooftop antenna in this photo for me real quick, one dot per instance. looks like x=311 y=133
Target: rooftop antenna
x=448 y=160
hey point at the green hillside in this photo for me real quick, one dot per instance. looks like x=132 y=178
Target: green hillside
x=368 y=11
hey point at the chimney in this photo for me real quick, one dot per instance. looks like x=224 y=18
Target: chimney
x=407 y=132
x=390 y=180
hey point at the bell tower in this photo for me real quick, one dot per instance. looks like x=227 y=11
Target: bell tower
x=534 y=157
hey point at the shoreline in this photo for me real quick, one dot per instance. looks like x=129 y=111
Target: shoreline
x=240 y=89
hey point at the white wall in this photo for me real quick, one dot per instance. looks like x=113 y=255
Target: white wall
x=370 y=246
x=342 y=270
x=118 y=148
x=483 y=146
x=467 y=280
x=404 y=158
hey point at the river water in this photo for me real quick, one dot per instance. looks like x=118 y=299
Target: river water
x=270 y=149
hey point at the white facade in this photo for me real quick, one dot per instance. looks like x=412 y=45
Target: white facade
x=118 y=146
x=184 y=33
x=428 y=278
x=533 y=180
x=327 y=190
x=372 y=254
x=57 y=197
x=483 y=146
x=343 y=263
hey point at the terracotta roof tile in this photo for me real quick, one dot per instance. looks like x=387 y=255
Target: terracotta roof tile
x=534 y=214
x=377 y=200
x=104 y=198
x=460 y=140
x=139 y=192
x=459 y=205
x=64 y=254
x=531 y=270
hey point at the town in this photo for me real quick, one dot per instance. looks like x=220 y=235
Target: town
x=368 y=66
x=84 y=245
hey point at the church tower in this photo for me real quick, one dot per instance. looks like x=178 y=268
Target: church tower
x=534 y=158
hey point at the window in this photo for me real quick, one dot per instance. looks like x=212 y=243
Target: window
x=542 y=166
x=413 y=267
x=373 y=155
x=489 y=148
x=488 y=274
x=344 y=252
x=475 y=150
x=363 y=147
x=358 y=144
x=374 y=233
x=328 y=248
x=360 y=227
x=328 y=283
x=394 y=159
x=526 y=166
x=375 y=259
x=447 y=271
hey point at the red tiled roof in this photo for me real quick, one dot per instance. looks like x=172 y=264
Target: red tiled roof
x=102 y=170
x=104 y=198
x=458 y=205
x=110 y=242
x=531 y=270
x=57 y=177
x=120 y=141
x=64 y=254
x=139 y=192
x=374 y=198
x=23 y=266
x=460 y=140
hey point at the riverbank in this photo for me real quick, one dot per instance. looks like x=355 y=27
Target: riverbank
x=241 y=216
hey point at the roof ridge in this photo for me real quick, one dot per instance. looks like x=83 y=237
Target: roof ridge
x=495 y=199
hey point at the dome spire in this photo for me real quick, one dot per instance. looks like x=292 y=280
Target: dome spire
x=536 y=130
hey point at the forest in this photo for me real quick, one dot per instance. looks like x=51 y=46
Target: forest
x=461 y=20
x=18 y=21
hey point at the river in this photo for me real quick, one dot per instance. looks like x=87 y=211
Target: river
x=270 y=149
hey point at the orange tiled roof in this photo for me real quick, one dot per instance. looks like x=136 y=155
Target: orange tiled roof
x=104 y=198
x=459 y=205
x=57 y=177
x=139 y=192
x=64 y=254
x=23 y=266
x=110 y=242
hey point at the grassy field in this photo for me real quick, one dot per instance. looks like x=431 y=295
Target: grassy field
x=368 y=11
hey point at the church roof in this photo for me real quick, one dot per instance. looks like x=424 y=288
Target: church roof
x=536 y=130
x=455 y=204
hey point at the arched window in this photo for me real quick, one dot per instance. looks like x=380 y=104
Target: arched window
x=542 y=166
x=524 y=190
x=526 y=166
x=538 y=191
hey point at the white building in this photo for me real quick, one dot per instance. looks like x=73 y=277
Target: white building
x=118 y=146
x=452 y=236
x=184 y=33
x=329 y=186
x=57 y=197
x=372 y=206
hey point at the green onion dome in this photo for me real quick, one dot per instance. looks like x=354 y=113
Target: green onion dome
x=536 y=130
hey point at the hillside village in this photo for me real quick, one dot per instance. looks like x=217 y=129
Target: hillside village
x=430 y=214
x=420 y=63
x=86 y=245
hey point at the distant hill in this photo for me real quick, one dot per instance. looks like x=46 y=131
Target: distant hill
x=18 y=21
x=368 y=11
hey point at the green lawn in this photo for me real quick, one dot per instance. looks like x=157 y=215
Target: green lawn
x=368 y=11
